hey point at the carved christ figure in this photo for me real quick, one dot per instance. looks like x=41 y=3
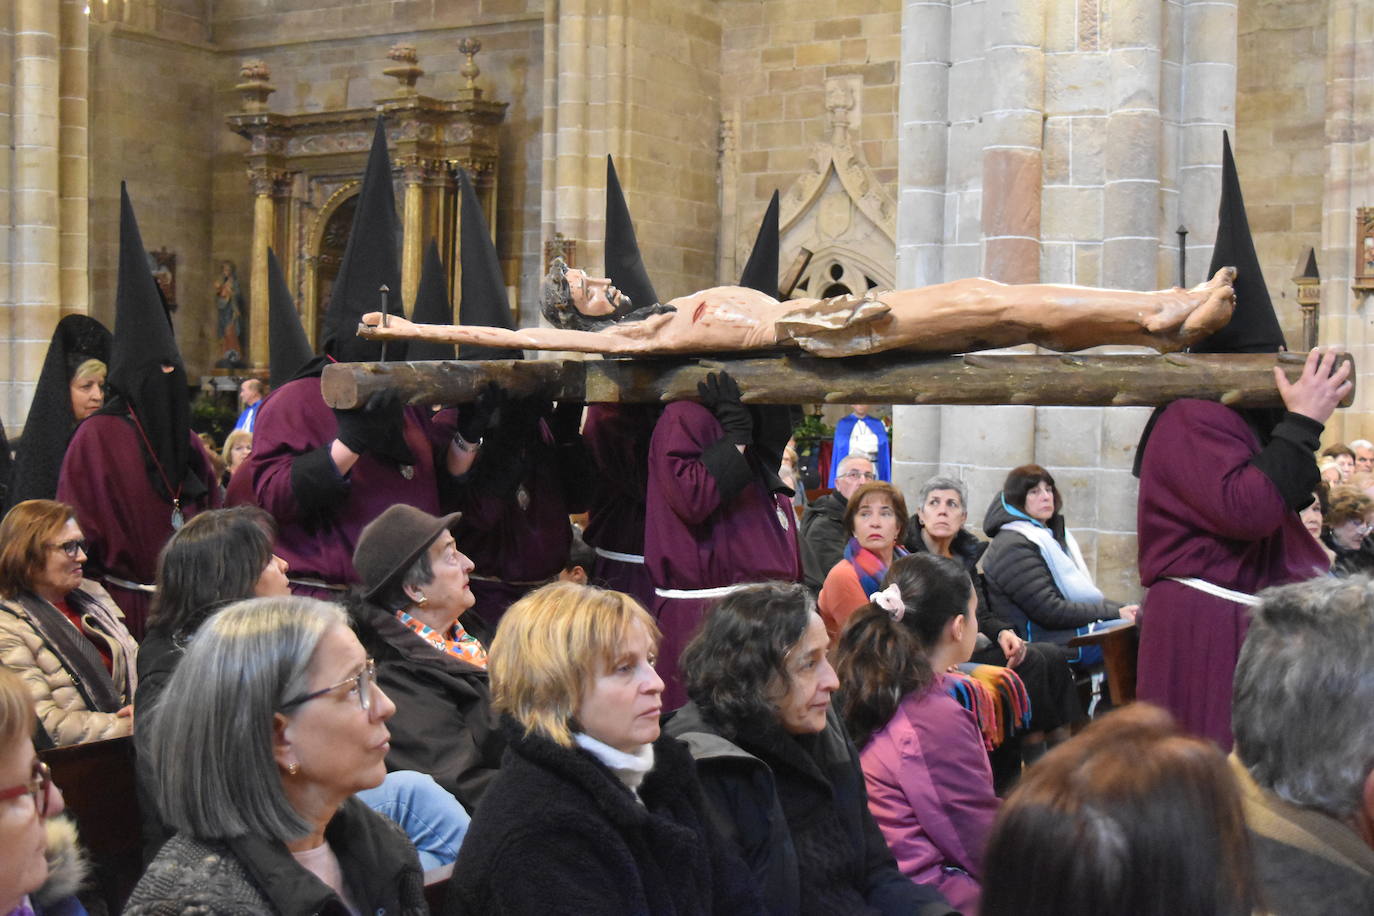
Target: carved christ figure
x=592 y=316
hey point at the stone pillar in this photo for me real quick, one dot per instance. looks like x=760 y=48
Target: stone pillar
x=1131 y=213
x=1208 y=94
x=264 y=223
x=1012 y=130
x=34 y=182
x=73 y=164
x=1349 y=95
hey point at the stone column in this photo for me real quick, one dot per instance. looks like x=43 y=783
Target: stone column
x=1012 y=130
x=73 y=161
x=1349 y=86
x=1209 y=104
x=1131 y=220
x=34 y=182
x=264 y=222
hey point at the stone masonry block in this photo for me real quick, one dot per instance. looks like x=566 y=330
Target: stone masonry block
x=1076 y=83
x=1056 y=262
x=966 y=31
x=1121 y=429
x=1057 y=151
x=1087 y=264
x=1089 y=151
x=1132 y=149
x=1078 y=488
x=1067 y=436
x=994 y=436
x=926 y=37
x=1134 y=78
x=920 y=428
x=835 y=29
x=1071 y=213
x=1116 y=499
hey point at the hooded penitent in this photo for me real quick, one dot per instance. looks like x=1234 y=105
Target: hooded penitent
x=432 y=306
x=482 y=301
x=624 y=263
x=288 y=348
x=1253 y=328
x=370 y=261
x=77 y=339
x=761 y=270
x=156 y=401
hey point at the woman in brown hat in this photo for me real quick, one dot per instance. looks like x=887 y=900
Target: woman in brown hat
x=413 y=616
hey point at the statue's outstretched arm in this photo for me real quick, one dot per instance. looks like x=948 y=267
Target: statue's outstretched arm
x=636 y=338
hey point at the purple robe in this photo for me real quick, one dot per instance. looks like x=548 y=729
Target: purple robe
x=294 y=422
x=1206 y=512
x=515 y=548
x=617 y=436
x=695 y=540
x=124 y=519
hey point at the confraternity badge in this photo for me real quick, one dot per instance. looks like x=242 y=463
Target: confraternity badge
x=522 y=496
x=408 y=471
x=782 y=518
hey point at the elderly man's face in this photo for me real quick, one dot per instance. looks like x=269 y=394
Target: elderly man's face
x=1364 y=459
x=853 y=475
x=593 y=296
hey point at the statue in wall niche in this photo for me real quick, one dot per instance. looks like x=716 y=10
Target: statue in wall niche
x=229 y=317
x=954 y=317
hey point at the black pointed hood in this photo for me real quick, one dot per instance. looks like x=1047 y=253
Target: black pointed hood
x=51 y=422
x=761 y=270
x=482 y=296
x=143 y=344
x=624 y=264
x=432 y=306
x=370 y=261
x=1253 y=328
x=288 y=348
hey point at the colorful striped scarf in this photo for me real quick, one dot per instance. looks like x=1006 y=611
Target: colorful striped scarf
x=868 y=565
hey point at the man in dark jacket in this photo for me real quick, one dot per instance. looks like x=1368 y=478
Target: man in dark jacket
x=1304 y=749
x=823 y=534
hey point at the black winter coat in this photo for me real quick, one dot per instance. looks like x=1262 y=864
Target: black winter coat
x=443 y=724
x=752 y=785
x=1021 y=588
x=823 y=538
x=558 y=832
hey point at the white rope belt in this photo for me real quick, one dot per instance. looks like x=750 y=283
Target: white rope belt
x=618 y=556
x=718 y=592
x=129 y=586
x=1216 y=591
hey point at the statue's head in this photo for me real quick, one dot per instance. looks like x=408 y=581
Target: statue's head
x=574 y=299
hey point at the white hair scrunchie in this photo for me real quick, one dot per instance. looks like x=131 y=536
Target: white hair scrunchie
x=890 y=600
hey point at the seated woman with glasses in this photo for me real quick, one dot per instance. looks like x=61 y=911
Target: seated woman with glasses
x=40 y=866
x=269 y=726
x=1347 y=518
x=60 y=632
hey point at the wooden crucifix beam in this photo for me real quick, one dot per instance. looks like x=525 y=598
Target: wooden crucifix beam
x=1089 y=380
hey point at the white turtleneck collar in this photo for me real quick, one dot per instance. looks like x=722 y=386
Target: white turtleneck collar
x=628 y=768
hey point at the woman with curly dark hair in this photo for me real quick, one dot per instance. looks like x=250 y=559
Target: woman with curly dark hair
x=779 y=771
x=927 y=773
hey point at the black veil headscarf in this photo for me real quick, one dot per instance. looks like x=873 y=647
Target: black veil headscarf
x=157 y=402
x=50 y=425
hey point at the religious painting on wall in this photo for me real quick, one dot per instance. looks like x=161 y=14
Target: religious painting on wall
x=1364 y=250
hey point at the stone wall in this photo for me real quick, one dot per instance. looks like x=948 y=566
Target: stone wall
x=775 y=58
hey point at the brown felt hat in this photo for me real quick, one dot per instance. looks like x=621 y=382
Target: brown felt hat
x=392 y=542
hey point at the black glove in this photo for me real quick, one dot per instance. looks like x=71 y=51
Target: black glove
x=476 y=418
x=378 y=428
x=566 y=421
x=720 y=395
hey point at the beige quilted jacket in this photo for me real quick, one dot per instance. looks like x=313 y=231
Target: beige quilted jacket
x=61 y=707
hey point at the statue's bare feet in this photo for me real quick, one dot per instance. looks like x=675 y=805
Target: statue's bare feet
x=1186 y=316
x=396 y=327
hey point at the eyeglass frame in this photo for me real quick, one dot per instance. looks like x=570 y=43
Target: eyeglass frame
x=39 y=787
x=364 y=680
x=73 y=548
x=853 y=474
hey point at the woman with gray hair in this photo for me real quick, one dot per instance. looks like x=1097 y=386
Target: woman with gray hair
x=270 y=724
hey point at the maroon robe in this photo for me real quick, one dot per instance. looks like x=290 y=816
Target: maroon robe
x=694 y=539
x=517 y=544
x=294 y=423
x=617 y=436
x=123 y=517
x=1206 y=512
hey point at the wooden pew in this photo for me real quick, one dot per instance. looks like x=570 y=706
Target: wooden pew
x=97 y=782
x=1119 y=647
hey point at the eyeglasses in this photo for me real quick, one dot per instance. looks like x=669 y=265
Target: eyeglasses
x=362 y=682
x=37 y=786
x=73 y=548
x=859 y=475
